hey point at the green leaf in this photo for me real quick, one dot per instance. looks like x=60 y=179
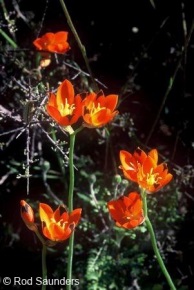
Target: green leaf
x=84 y=197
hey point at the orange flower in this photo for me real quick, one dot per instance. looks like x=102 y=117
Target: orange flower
x=98 y=110
x=143 y=169
x=27 y=215
x=64 y=107
x=127 y=211
x=53 y=42
x=57 y=226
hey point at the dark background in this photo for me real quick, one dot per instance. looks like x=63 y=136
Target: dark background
x=144 y=60
x=137 y=66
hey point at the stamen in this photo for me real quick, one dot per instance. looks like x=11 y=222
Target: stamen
x=66 y=109
x=153 y=178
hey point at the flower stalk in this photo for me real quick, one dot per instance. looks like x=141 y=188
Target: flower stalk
x=70 y=206
x=44 y=267
x=154 y=242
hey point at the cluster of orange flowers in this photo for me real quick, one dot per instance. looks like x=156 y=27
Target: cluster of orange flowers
x=143 y=169
x=126 y=211
x=66 y=108
x=96 y=110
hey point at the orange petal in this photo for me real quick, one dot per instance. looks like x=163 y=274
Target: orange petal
x=134 y=202
x=56 y=232
x=57 y=214
x=161 y=169
x=27 y=212
x=126 y=158
x=61 y=36
x=66 y=234
x=65 y=93
x=139 y=155
x=54 y=113
x=101 y=118
x=48 y=37
x=41 y=43
x=127 y=211
x=129 y=165
x=167 y=179
x=116 y=209
x=88 y=101
x=38 y=44
x=64 y=121
x=65 y=216
x=77 y=111
x=148 y=164
x=46 y=213
x=74 y=216
x=110 y=101
x=154 y=155
x=52 y=100
x=47 y=233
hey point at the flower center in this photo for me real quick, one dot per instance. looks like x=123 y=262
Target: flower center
x=60 y=223
x=66 y=109
x=93 y=109
x=152 y=178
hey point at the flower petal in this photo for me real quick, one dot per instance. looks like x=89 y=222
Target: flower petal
x=127 y=211
x=75 y=216
x=65 y=93
x=110 y=101
x=46 y=213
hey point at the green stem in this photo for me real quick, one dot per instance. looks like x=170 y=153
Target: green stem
x=71 y=172
x=154 y=243
x=11 y=42
x=44 y=248
x=70 y=206
x=44 y=268
x=40 y=237
x=81 y=46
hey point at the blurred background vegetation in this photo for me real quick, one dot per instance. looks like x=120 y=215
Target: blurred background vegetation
x=142 y=51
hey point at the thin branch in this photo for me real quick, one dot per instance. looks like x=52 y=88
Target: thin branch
x=170 y=85
x=81 y=46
